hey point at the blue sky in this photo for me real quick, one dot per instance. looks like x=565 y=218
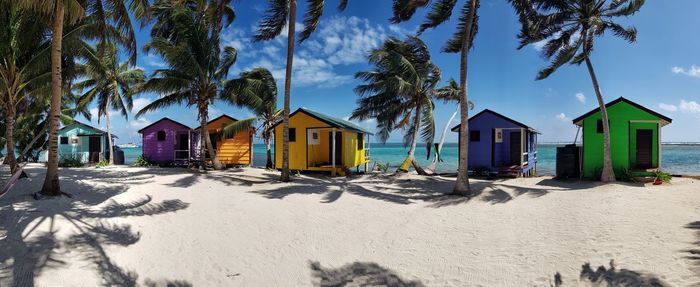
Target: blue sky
x=661 y=71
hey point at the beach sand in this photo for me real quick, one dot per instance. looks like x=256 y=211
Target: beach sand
x=240 y=227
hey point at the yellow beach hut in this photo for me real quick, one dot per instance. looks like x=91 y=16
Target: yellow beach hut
x=318 y=142
x=229 y=151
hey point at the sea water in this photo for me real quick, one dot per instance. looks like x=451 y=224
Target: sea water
x=676 y=159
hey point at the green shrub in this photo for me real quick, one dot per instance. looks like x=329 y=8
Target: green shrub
x=102 y=163
x=142 y=161
x=70 y=161
x=626 y=175
x=481 y=171
x=663 y=176
x=383 y=167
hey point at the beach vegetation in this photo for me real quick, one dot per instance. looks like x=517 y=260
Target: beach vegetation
x=142 y=161
x=569 y=29
x=398 y=92
x=663 y=176
x=281 y=14
x=70 y=161
x=110 y=84
x=461 y=42
x=196 y=68
x=383 y=167
x=257 y=91
x=103 y=163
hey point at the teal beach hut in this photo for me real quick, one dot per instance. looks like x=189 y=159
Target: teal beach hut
x=83 y=142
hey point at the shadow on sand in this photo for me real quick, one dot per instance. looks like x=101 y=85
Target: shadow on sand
x=618 y=278
x=29 y=235
x=401 y=190
x=358 y=274
x=694 y=253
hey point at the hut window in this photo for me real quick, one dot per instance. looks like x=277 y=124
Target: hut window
x=360 y=141
x=161 y=136
x=64 y=140
x=292 y=135
x=474 y=136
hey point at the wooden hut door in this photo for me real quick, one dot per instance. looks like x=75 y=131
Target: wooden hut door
x=644 y=146
x=338 y=148
x=182 y=147
x=516 y=153
x=94 y=147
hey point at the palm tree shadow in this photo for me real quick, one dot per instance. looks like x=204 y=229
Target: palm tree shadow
x=32 y=247
x=693 y=254
x=622 y=277
x=358 y=274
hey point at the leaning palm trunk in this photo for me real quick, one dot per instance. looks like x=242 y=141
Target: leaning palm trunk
x=462 y=184
x=205 y=141
x=608 y=174
x=51 y=185
x=109 y=137
x=436 y=159
x=9 y=138
x=287 y=86
x=268 y=163
x=411 y=158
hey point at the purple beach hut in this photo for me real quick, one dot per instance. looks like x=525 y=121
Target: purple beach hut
x=500 y=145
x=167 y=142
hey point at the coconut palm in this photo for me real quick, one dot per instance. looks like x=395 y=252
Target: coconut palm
x=399 y=92
x=195 y=73
x=448 y=94
x=58 y=12
x=109 y=22
x=281 y=13
x=110 y=83
x=256 y=90
x=569 y=28
x=23 y=66
x=461 y=42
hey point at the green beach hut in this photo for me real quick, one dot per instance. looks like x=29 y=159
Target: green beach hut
x=83 y=142
x=635 y=133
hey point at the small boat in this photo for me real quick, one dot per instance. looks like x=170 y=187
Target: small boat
x=128 y=145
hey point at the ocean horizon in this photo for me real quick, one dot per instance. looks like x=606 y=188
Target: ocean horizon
x=676 y=158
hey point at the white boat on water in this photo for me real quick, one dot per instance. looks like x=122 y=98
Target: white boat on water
x=128 y=145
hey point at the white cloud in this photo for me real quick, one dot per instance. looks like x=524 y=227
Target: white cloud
x=581 y=98
x=668 y=107
x=140 y=103
x=538 y=46
x=689 y=107
x=139 y=123
x=155 y=61
x=693 y=71
x=339 y=42
x=562 y=117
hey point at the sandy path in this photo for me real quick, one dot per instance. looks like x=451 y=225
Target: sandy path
x=130 y=226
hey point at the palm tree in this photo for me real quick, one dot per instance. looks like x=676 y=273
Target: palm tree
x=23 y=68
x=569 y=28
x=461 y=42
x=256 y=90
x=399 y=92
x=448 y=94
x=279 y=14
x=110 y=83
x=195 y=74
x=110 y=23
x=58 y=12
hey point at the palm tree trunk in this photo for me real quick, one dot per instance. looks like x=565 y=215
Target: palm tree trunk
x=9 y=137
x=608 y=174
x=414 y=142
x=433 y=165
x=268 y=163
x=287 y=86
x=206 y=139
x=109 y=136
x=462 y=184
x=51 y=185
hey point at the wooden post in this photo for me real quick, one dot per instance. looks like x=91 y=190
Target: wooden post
x=333 y=149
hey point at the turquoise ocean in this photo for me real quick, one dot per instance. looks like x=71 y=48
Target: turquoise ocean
x=676 y=158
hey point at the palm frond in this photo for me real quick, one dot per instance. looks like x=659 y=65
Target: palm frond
x=274 y=21
x=232 y=129
x=311 y=18
x=440 y=12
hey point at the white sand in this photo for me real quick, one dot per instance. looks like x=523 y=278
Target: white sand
x=137 y=226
